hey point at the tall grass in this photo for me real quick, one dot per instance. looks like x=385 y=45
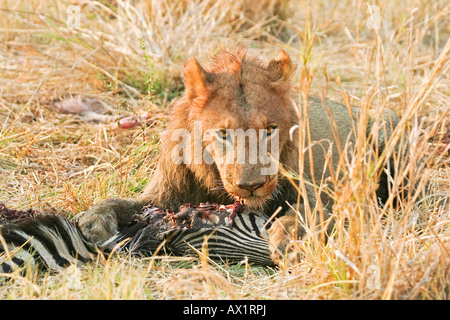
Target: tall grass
x=131 y=54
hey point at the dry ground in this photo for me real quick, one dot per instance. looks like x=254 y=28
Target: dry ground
x=130 y=55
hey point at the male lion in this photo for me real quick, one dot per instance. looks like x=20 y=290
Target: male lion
x=236 y=91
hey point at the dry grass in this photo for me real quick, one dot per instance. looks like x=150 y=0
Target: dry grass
x=131 y=57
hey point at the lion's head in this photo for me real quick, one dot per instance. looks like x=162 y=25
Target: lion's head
x=237 y=106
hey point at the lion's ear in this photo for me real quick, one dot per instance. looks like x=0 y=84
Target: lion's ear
x=281 y=68
x=196 y=79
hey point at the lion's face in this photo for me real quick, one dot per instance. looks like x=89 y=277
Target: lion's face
x=243 y=111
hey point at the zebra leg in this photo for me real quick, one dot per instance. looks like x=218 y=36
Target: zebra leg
x=106 y=218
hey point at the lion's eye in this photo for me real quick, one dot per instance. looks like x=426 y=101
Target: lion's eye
x=223 y=134
x=270 y=129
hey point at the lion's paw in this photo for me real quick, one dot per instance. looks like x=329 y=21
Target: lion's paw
x=282 y=241
x=98 y=224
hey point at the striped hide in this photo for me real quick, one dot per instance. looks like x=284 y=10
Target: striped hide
x=46 y=242
x=53 y=242
x=247 y=239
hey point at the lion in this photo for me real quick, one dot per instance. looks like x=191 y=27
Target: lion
x=235 y=91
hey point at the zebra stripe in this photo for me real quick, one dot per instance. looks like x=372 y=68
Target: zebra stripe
x=18 y=256
x=54 y=242
x=247 y=239
x=223 y=245
x=48 y=242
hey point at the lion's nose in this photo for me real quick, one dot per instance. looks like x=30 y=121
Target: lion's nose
x=250 y=186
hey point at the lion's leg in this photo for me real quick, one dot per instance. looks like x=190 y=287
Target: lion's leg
x=288 y=229
x=105 y=218
x=282 y=234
